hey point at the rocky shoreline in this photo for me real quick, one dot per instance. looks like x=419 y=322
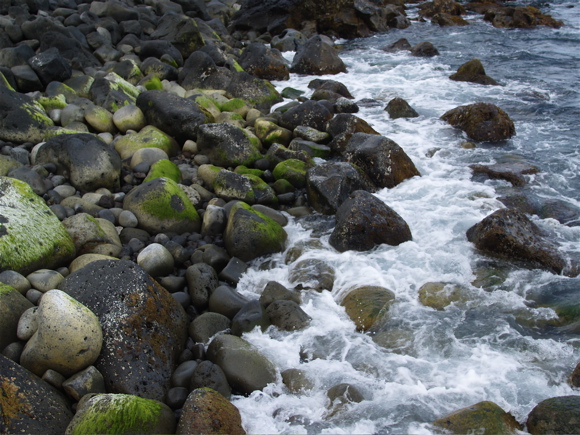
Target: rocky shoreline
x=143 y=172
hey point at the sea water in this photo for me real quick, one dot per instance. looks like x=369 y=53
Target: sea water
x=502 y=342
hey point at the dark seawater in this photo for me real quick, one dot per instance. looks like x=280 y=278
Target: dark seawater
x=513 y=337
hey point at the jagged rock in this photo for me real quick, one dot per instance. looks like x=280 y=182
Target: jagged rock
x=310 y=114
x=512 y=172
x=486 y=417
x=399 y=45
x=263 y=62
x=318 y=58
x=472 y=71
x=342 y=127
x=312 y=274
x=363 y=222
x=50 y=66
x=181 y=31
x=227 y=145
x=399 y=108
x=259 y=93
x=201 y=71
x=481 y=122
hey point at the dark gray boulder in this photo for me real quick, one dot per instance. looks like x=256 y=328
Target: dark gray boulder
x=329 y=185
x=208 y=324
x=330 y=85
x=210 y=375
x=317 y=57
x=287 y=315
x=399 y=45
x=252 y=314
x=144 y=327
x=227 y=145
x=363 y=221
x=424 y=49
x=79 y=56
x=481 y=121
x=181 y=31
x=263 y=62
x=557 y=415
x=342 y=127
x=51 y=66
x=158 y=48
x=508 y=233
x=399 y=108
x=472 y=71
x=310 y=114
x=259 y=93
x=200 y=71
x=513 y=172
x=202 y=280
x=226 y=301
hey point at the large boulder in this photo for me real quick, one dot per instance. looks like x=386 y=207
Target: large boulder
x=383 y=160
x=264 y=62
x=481 y=121
x=310 y=114
x=207 y=411
x=246 y=369
x=179 y=117
x=200 y=71
x=483 y=417
x=472 y=71
x=65 y=347
x=160 y=205
x=257 y=92
x=21 y=118
x=330 y=184
x=555 y=415
x=227 y=145
x=181 y=31
x=317 y=57
x=109 y=413
x=87 y=161
x=31 y=236
x=29 y=404
x=144 y=327
x=363 y=221
x=342 y=127
x=509 y=234
x=250 y=234
x=12 y=305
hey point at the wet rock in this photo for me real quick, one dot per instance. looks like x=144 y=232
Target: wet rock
x=512 y=172
x=12 y=306
x=88 y=162
x=509 y=234
x=384 y=161
x=367 y=304
x=227 y=145
x=157 y=48
x=439 y=295
x=202 y=280
x=399 y=108
x=274 y=291
x=483 y=416
x=129 y=117
x=263 y=62
x=288 y=40
x=424 y=49
x=287 y=315
x=101 y=412
x=156 y=260
x=555 y=415
x=30 y=405
x=207 y=325
x=292 y=170
x=251 y=234
x=93 y=235
x=246 y=369
x=182 y=374
x=472 y=71
x=65 y=347
x=399 y=45
x=363 y=221
x=481 y=122
x=15 y=280
x=252 y=314
x=233 y=271
x=443 y=20
x=297 y=381
x=317 y=57
x=270 y=133
x=32 y=237
x=574 y=379
x=522 y=17
x=144 y=332
x=207 y=411
x=210 y=375
x=342 y=127
x=181 y=31
x=87 y=381
x=330 y=184
x=227 y=301
x=344 y=393
x=312 y=274
x=160 y=205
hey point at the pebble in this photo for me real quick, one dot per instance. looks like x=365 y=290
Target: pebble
x=156 y=260
x=128 y=219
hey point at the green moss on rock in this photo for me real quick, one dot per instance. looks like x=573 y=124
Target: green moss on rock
x=293 y=170
x=148 y=137
x=164 y=168
x=154 y=84
x=56 y=102
x=244 y=170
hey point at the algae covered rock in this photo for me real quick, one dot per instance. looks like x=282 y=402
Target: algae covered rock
x=31 y=236
x=250 y=234
x=439 y=295
x=12 y=305
x=161 y=205
x=206 y=411
x=472 y=71
x=164 y=168
x=292 y=170
x=121 y=413
x=228 y=145
x=148 y=137
x=259 y=93
x=28 y=404
x=366 y=304
x=557 y=415
x=483 y=417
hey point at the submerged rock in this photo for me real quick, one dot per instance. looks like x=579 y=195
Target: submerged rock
x=365 y=305
x=483 y=417
x=472 y=71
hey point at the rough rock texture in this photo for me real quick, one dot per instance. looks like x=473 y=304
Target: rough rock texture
x=399 y=108
x=227 y=145
x=483 y=417
x=264 y=62
x=310 y=114
x=257 y=92
x=512 y=172
x=363 y=221
x=481 y=121
x=31 y=236
x=28 y=404
x=144 y=327
x=317 y=57
x=472 y=71
x=149 y=137
x=509 y=234
x=555 y=415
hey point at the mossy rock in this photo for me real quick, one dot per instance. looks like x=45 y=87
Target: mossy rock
x=244 y=170
x=56 y=102
x=293 y=170
x=557 y=415
x=148 y=137
x=153 y=84
x=269 y=132
x=263 y=193
x=164 y=168
x=12 y=305
x=209 y=105
x=482 y=418
x=7 y=164
x=23 y=119
x=31 y=236
x=250 y=234
x=282 y=186
x=209 y=173
x=51 y=132
x=365 y=305
x=439 y=295
x=5 y=83
x=227 y=145
x=236 y=105
x=121 y=414
x=160 y=205
x=119 y=83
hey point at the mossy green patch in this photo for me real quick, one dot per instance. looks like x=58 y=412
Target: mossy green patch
x=6 y=289
x=6 y=83
x=154 y=84
x=237 y=66
x=148 y=137
x=57 y=131
x=293 y=170
x=164 y=168
x=157 y=204
x=56 y=102
x=244 y=170
x=119 y=83
x=233 y=105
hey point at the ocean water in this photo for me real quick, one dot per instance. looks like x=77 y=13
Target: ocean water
x=503 y=341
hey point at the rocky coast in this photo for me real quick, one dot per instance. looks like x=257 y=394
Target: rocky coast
x=147 y=162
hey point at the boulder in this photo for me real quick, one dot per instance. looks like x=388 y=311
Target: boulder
x=12 y=305
x=181 y=31
x=329 y=185
x=385 y=162
x=149 y=137
x=287 y=315
x=424 y=49
x=292 y=170
x=207 y=325
x=246 y=369
x=439 y=295
x=66 y=347
x=288 y=40
x=93 y=235
x=317 y=57
x=472 y=71
x=210 y=375
x=206 y=411
x=226 y=301
x=342 y=127
x=28 y=404
x=113 y=92
x=399 y=108
x=481 y=122
x=555 y=415
x=21 y=118
x=363 y=221
x=312 y=274
x=227 y=145
x=257 y=92
x=522 y=17
x=68 y=46
x=202 y=280
x=399 y=45
x=179 y=117
x=250 y=234
x=365 y=305
x=251 y=315
x=144 y=330
x=513 y=172
x=87 y=161
x=275 y=291
x=508 y=233
x=109 y=413
x=444 y=20
x=310 y=114
x=160 y=205
x=263 y=62
x=483 y=417
x=200 y=71
x=31 y=236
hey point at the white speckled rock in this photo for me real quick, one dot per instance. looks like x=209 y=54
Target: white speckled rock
x=129 y=117
x=68 y=339
x=45 y=279
x=156 y=260
x=27 y=324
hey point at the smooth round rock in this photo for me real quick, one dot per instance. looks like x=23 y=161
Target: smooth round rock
x=45 y=279
x=128 y=219
x=156 y=260
x=182 y=374
x=28 y=324
x=129 y=117
x=207 y=325
x=15 y=280
x=148 y=155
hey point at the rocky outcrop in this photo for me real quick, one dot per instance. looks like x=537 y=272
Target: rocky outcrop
x=472 y=71
x=265 y=63
x=482 y=122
